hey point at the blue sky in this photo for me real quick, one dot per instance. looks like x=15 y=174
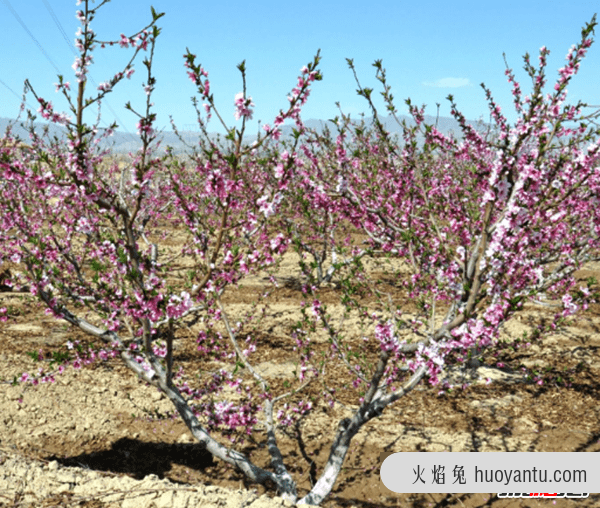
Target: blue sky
x=429 y=48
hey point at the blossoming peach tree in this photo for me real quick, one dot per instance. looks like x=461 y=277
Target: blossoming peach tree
x=472 y=230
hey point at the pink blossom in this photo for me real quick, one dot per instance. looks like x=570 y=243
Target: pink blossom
x=242 y=107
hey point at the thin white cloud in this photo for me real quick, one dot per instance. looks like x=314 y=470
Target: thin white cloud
x=448 y=83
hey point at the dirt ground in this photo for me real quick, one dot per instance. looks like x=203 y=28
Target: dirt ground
x=99 y=438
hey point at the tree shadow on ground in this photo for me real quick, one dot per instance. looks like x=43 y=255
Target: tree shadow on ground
x=138 y=459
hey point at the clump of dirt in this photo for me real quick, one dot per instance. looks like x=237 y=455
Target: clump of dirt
x=28 y=483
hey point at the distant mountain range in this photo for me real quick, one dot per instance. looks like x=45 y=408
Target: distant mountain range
x=123 y=142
